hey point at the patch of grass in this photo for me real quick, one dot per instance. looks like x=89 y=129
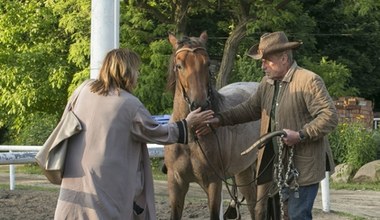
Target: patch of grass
x=29 y=187
x=157 y=164
x=158 y=175
x=350 y=216
x=356 y=186
x=31 y=168
x=329 y=215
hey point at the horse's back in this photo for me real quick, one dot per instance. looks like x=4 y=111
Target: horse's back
x=238 y=92
x=239 y=137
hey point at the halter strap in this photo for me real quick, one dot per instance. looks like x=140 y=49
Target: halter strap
x=189 y=49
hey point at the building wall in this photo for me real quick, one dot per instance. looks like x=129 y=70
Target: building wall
x=355 y=109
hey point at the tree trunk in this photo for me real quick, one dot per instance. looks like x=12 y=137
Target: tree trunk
x=229 y=54
x=180 y=17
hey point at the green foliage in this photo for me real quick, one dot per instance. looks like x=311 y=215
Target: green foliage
x=34 y=72
x=75 y=19
x=139 y=32
x=362 y=7
x=36 y=129
x=152 y=81
x=336 y=76
x=247 y=70
x=352 y=143
x=45 y=46
x=348 y=32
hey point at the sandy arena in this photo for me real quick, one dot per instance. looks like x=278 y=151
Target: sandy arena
x=31 y=204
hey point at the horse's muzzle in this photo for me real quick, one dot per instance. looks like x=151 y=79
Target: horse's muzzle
x=205 y=106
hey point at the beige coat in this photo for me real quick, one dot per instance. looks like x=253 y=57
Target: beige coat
x=107 y=166
x=303 y=104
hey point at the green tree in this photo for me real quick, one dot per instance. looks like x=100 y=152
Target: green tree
x=74 y=17
x=335 y=76
x=147 y=34
x=348 y=32
x=34 y=71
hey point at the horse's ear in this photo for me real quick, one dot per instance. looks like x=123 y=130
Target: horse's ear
x=173 y=40
x=203 y=37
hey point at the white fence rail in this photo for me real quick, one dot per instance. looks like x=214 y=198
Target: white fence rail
x=25 y=154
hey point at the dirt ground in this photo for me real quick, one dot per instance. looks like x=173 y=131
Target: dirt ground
x=27 y=203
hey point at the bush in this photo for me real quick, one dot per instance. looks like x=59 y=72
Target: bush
x=35 y=131
x=247 y=70
x=352 y=143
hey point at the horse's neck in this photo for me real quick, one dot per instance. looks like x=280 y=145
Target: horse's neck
x=180 y=107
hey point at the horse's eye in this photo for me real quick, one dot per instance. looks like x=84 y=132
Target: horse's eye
x=178 y=66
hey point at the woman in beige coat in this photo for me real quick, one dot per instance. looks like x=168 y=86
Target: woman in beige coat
x=107 y=169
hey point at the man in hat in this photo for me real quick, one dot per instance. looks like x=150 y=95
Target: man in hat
x=295 y=100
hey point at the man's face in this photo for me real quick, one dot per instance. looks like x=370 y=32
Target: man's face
x=275 y=65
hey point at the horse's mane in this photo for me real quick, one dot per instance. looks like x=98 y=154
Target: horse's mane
x=191 y=42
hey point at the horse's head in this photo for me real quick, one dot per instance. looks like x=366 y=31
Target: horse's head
x=189 y=71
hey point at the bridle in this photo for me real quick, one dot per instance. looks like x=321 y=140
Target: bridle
x=190 y=104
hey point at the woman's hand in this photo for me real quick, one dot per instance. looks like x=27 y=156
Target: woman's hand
x=196 y=117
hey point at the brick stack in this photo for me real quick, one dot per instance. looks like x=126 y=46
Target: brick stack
x=355 y=109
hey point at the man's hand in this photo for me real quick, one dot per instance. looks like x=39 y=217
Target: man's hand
x=292 y=137
x=197 y=117
x=207 y=126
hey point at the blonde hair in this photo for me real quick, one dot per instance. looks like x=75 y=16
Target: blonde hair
x=119 y=71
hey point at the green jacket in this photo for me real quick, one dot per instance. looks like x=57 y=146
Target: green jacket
x=303 y=104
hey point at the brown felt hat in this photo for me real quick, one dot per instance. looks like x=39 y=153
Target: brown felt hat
x=272 y=43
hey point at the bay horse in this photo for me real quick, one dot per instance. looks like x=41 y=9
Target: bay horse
x=211 y=159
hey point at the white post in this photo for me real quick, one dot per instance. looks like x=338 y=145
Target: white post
x=11 y=176
x=221 y=205
x=105 y=17
x=325 y=189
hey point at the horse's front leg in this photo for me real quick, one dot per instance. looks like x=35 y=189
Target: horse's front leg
x=246 y=179
x=177 y=189
x=214 y=195
x=262 y=200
